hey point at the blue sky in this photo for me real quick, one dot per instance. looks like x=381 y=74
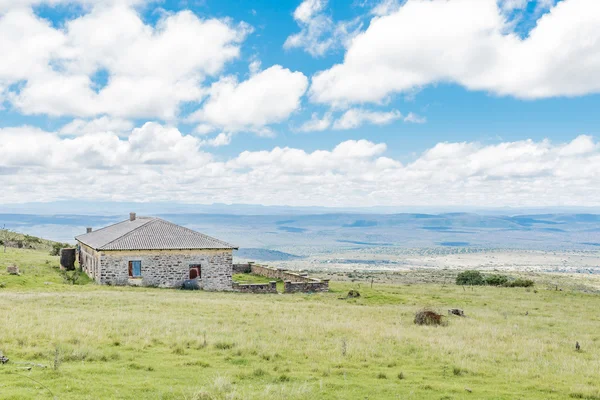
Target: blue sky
x=401 y=95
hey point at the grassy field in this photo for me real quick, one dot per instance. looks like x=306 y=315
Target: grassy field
x=135 y=343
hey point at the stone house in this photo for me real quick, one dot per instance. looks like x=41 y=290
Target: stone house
x=147 y=251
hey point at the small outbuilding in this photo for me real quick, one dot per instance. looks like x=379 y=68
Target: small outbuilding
x=148 y=251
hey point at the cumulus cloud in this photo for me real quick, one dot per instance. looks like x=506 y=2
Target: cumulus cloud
x=386 y=7
x=159 y=163
x=267 y=97
x=470 y=43
x=103 y=124
x=151 y=144
x=7 y=5
x=318 y=32
x=356 y=117
x=222 y=139
x=316 y=124
x=149 y=70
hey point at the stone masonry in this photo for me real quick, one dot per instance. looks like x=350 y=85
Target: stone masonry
x=293 y=282
x=270 y=287
x=305 y=287
x=161 y=268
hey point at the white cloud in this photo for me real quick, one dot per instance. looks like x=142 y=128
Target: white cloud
x=386 y=7
x=318 y=32
x=267 y=97
x=356 y=117
x=316 y=124
x=8 y=5
x=511 y=5
x=150 y=70
x=468 y=42
x=222 y=139
x=150 y=144
x=307 y=10
x=102 y=124
x=414 y=118
x=159 y=163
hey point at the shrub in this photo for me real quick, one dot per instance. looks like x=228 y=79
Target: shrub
x=470 y=278
x=476 y=278
x=282 y=378
x=496 y=280
x=70 y=277
x=224 y=345
x=55 y=251
x=259 y=372
x=520 y=283
x=428 y=317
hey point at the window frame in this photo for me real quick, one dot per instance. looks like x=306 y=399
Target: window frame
x=198 y=267
x=131 y=271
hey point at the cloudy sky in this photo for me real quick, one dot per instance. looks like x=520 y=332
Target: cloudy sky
x=330 y=103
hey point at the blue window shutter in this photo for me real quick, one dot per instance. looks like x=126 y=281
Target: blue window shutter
x=137 y=268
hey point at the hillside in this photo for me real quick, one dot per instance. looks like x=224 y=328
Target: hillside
x=90 y=341
x=9 y=238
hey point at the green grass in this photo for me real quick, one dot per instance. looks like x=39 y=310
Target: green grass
x=38 y=269
x=132 y=343
x=251 y=278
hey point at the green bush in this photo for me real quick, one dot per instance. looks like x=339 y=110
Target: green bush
x=476 y=278
x=71 y=277
x=520 y=283
x=56 y=248
x=496 y=280
x=470 y=278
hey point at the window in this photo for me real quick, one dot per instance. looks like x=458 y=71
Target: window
x=195 y=271
x=135 y=269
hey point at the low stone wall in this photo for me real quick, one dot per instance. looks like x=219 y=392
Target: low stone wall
x=293 y=282
x=242 y=268
x=306 y=287
x=280 y=273
x=270 y=287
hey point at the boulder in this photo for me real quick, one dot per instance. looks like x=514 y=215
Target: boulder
x=456 y=311
x=13 y=270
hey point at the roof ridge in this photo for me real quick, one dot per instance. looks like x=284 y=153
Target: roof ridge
x=128 y=233
x=196 y=232
x=101 y=229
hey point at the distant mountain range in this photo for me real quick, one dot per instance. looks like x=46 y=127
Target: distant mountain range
x=155 y=208
x=302 y=234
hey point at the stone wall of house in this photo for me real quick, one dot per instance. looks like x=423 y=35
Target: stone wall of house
x=90 y=261
x=242 y=268
x=270 y=287
x=305 y=287
x=168 y=268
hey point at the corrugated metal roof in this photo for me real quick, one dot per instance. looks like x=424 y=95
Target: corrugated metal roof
x=145 y=233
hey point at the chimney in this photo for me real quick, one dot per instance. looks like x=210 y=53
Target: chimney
x=88 y=230
x=132 y=216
